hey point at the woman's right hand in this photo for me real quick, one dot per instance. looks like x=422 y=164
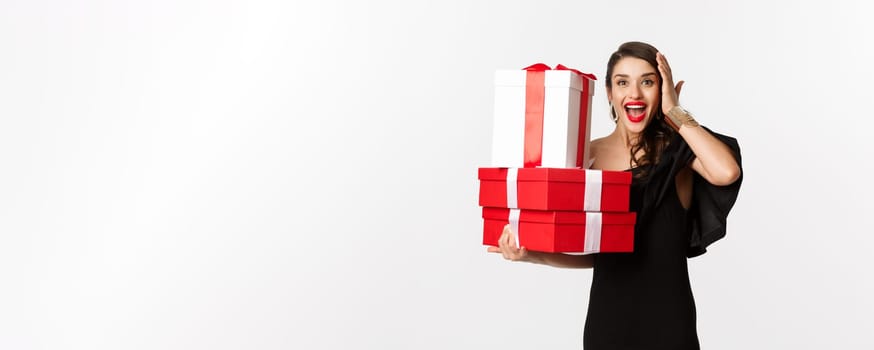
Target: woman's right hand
x=508 y=248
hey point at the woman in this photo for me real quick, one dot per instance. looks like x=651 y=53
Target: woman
x=685 y=181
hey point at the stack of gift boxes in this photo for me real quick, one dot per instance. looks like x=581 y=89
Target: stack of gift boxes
x=538 y=181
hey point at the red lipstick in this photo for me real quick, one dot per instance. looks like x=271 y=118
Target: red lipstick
x=635 y=111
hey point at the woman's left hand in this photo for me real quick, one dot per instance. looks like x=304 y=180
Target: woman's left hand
x=670 y=93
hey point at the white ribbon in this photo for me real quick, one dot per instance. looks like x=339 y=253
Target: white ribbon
x=592 y=198
x=514 y=225
x=593 y=233
x=512 y=175
x=512 y=203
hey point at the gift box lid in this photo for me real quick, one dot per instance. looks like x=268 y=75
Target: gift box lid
x=554 y=175
x=559 y=217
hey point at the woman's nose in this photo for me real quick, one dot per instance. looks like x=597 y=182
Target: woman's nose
x=635 y=92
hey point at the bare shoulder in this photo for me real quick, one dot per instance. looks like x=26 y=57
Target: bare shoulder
x=606 y=154
x=598 y=152
x=597 y=147
x=598 y=141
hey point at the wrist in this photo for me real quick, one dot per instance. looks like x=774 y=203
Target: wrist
x=534 y=257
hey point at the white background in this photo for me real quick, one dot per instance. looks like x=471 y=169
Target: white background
x=275 y=175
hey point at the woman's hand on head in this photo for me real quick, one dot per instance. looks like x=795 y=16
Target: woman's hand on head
x=670 y=92
x=507 y=247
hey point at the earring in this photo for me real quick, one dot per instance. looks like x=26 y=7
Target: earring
x=613 y=112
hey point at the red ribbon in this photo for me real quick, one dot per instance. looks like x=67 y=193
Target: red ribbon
x=535 y=91
x=587 y=75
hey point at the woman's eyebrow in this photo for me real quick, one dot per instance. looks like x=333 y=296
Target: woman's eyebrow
x=619 y=75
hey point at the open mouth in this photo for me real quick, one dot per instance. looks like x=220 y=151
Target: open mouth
x=635 y=111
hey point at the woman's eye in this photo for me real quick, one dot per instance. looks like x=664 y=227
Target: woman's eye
x=648 y=82
x=621 y=83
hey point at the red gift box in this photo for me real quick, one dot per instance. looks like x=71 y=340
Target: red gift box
x=568 y=189
x=562 y=231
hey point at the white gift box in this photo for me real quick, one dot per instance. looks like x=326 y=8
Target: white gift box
x=558 y=136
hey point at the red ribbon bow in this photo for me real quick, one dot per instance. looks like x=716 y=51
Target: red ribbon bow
x=587 y=75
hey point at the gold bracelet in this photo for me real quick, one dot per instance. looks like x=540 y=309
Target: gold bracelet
x=678 y=117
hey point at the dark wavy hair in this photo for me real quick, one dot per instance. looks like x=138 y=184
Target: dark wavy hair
x=657 y=134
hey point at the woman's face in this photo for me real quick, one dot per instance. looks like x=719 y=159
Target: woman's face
x=635 y=93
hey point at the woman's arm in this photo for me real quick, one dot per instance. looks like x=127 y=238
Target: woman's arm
x=507 y=248
x=713 y=159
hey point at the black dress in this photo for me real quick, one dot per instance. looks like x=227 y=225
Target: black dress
x=643 y=300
